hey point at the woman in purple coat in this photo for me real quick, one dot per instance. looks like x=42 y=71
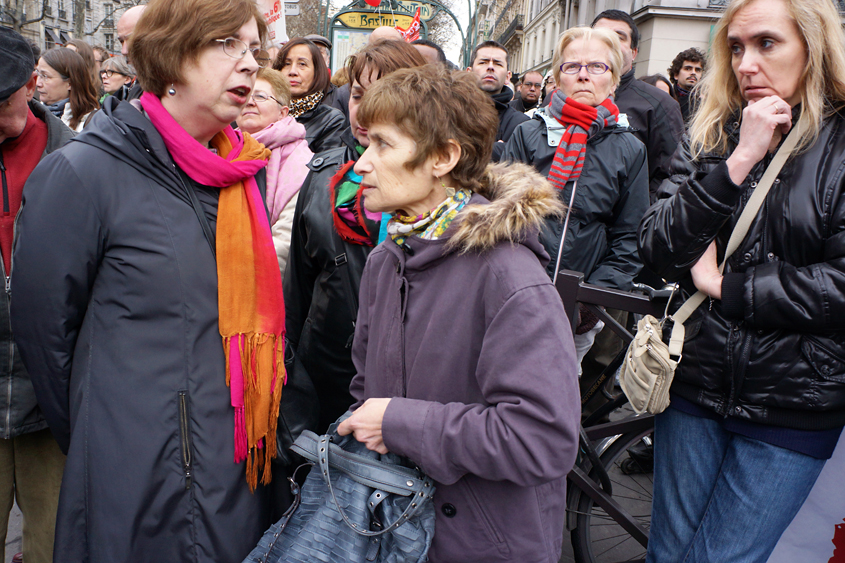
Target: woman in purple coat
x=464 y=356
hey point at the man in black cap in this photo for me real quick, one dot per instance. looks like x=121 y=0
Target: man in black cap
x=31 y=463
x=324 y=45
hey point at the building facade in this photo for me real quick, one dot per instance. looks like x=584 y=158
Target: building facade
x=51 y=23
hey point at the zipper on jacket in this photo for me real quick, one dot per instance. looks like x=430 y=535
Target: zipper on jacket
x=742 y=366
x=185 y=438
x=402 y=304
x=6 y=205
x=8 y=280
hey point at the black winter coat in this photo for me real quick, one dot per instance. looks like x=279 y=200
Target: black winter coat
x=19 y=411
x=509 y=118
x=772 y=351
x=323 y=127
x=656 y=121
x=338 y=98
x=320 y=306
x=610 y=200
x=115 y=313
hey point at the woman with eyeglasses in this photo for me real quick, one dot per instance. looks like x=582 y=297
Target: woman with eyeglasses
x=148 y=302
x=595 y=162
x=303 y=66
x=117 y=76
x=266 y=116
x=65 y=86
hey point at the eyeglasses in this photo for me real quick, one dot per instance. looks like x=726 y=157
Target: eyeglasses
x=44 y=76
x=123 y=39
x=109 y=73
x=261 y=97
x=592 y=68
x=532 y=84
x=237 y=49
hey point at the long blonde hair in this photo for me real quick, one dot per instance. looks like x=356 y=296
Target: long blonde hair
x=822 y=82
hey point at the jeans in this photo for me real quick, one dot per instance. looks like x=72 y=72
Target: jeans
x=720 y=496
x=31 y=468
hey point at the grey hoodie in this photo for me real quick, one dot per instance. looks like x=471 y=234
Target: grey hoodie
x=469 y=337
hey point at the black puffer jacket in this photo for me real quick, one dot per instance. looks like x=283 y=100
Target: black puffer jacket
x=320 y=307
x=323 y=127
x=610 y=200
x=19 y=411
x=772 y=350
x=115 y=312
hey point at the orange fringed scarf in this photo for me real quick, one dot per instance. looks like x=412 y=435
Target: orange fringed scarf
x=251 y=306
x=252 y=319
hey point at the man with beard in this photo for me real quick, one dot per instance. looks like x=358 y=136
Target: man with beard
x=528 y=91
x=490 y=64
x=685 y=72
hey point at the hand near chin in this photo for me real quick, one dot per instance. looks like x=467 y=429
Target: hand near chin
x=365 y=424
x=764 y=122
x=706 y=275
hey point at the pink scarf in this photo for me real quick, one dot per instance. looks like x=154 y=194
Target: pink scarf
x=288 y=164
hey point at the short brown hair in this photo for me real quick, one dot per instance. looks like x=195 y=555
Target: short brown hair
x=409 y=97
x=170 y=32
x=321 y=81
x=277 y=80
x=382 y=58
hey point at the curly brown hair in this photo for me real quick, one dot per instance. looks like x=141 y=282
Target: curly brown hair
x=692 y=55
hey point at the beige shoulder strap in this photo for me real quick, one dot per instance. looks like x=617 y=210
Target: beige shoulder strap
x=676 y=341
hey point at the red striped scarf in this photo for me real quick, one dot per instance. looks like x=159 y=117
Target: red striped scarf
x=581 y=122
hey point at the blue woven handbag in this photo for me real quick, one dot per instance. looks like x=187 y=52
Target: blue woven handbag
x=356 y=506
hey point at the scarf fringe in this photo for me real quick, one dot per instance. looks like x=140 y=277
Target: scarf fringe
x=263 y=450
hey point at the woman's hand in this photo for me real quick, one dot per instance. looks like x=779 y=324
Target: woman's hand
x=764 y=122
x=706 y=275
x=365 y=424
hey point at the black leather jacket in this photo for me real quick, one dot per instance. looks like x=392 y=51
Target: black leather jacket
x=320 y=308
x=610 y=200
x=772 y=350
x=323 y=127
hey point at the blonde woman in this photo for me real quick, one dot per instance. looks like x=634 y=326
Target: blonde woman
x=758 y=400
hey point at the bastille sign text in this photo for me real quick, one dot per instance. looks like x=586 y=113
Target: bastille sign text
x=371 y=20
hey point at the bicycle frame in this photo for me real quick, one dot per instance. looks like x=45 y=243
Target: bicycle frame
x=573 y=290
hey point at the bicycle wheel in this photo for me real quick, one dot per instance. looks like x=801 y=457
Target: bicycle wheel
x=598 y=538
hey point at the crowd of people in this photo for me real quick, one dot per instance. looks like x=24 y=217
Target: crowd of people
x=218 y=244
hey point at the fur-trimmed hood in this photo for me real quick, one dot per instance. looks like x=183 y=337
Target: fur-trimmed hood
x=520 y=200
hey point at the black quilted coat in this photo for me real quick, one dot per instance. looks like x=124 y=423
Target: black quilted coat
x=772 y=351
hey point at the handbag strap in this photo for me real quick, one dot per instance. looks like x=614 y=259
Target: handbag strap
x=676 y=341
x=415 y=503
x=367 y=471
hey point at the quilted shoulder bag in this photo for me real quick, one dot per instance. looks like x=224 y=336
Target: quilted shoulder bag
x=649 y=367
x=356 y=506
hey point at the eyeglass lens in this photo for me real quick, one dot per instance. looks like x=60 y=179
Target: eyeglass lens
x=592 y=68
x=237 y=49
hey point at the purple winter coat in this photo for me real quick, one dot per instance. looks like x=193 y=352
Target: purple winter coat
x=486 y=362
